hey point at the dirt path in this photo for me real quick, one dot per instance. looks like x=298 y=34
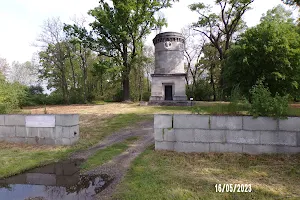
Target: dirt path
x=118 y=167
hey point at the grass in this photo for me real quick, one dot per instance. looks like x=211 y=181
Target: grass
x=104 y=155
x=171 y=175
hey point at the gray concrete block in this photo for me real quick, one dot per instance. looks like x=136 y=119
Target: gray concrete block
x=32 y=132
x=288 y=149
x=46 y=132
x=158 y=134
x=33 y=140
x=169 y=135
x=63 y=141
x=209 y=135
x=7 y=131
x=259 y=149
x=278 y=138
x=74 y=131
x=191 y=147
x=243 y=137
x=17 y=140
x=21 y=131
x=164 y=146
x=163 y=121
x=226 y=122
x=67 y=120
x=260 y=123
x=58 y=132
x=184 y=135
x=14 y=120
x=1 y=120
x=46 y=141
x=74 y=140
x=191 y=121
x=219 y=147
x=290 y=124
x=298 y=139
x=66 y=132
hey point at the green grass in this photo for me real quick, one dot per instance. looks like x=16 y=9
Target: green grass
x=171 y=175
x=104 y=155
x=17 y=158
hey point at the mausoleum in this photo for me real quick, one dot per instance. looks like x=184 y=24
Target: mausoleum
x=168 y=80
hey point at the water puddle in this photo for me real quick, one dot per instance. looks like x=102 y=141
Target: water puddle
x=58 y=181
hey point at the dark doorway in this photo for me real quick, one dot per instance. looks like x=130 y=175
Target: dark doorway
x=168 y=93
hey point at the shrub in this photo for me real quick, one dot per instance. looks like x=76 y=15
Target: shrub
x=263 y=104
x=203 y=91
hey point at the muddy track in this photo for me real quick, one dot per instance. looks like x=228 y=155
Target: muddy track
x=118 y=167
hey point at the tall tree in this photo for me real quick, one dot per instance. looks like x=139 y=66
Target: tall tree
x=291 y=2
x=271 y=51
x=118 y=29
x=23 y=73
x=4 y=66
x=220 y=28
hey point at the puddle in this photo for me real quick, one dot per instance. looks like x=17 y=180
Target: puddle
x=58 y=181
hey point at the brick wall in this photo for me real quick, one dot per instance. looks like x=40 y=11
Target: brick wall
x=242 y=134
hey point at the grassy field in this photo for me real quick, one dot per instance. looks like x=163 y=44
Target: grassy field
x=104 y=155
x=170 y=175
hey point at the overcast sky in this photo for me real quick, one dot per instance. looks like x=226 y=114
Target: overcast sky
x=21 y=20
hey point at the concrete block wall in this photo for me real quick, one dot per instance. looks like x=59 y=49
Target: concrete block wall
x=240 y=134
x=63 y=131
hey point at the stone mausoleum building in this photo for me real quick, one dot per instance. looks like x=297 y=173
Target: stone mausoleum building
x=168 y=80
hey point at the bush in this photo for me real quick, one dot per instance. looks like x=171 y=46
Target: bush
x=203 y=91
x=263 y=104
x=146 y=96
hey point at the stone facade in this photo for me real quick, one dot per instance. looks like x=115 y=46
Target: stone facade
x=31 y=129
x=239 y=134
x=168 y=80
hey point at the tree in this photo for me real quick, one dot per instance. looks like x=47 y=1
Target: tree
x=4 y=66
x=271 y=51
x=118 y=30
x=220 y=28
x=23 y=73
x=291 y=2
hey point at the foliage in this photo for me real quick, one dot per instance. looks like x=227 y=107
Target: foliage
x=11 y=95
x=118 y=31
x=203 y=91
x=270 y=50
x=263 y=104
x=291 y=2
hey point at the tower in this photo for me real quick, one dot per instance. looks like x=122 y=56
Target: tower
x=168 y=80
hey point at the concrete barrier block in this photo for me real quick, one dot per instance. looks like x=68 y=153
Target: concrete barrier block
x=14 y=120
x=158 y=134
x=17 y=140
x=226 y=122
x=58 y=132
x=259 y=149
x=184 y=135
x=67 y=120
x=298 y=139
x=290 y=124
x=2 y=120
x=219 y=147
x=32 y=132
x=21 y=131
x=191 y=147
x=288 y=149
x=74 y=131
x=7 y=131
x=46 y=141
x=66 y=132
x=164 y=146
x=209 y=135
x=191 y=121
x=260 y=123
x=243 y=137
x=163 y=121
x=279 y=138
x=169 y=135
x=46 y=132
x=33 y=140
x=63 y=141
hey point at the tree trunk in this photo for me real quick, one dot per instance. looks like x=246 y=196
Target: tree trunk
x=126 y=92
x=213 y=83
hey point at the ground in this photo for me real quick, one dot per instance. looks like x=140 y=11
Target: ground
x=118 y=139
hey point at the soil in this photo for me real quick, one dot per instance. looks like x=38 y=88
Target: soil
x=118 y=167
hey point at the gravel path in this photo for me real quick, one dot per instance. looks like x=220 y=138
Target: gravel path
x=118 y=167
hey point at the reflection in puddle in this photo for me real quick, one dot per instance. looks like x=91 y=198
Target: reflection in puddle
x=58 y=181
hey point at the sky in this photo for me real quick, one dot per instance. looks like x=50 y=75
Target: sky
x=21 y=20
